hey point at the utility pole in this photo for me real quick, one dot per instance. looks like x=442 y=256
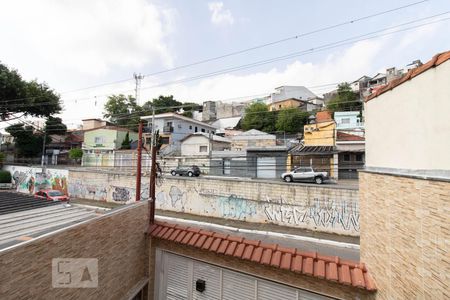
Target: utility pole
x=153 y=172
x=139 y=163
x=43 y=153
x=137 y=89
x=210 y=149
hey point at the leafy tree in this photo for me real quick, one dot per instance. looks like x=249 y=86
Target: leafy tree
x=123 y=111
x=126 y=144
x=28 y=143
x=291 y=120
x=2 y=158
x=55 y=126
x=345 y=99
x=19 y=96
x=162 y=104
x=76 y=154
x=257 y=116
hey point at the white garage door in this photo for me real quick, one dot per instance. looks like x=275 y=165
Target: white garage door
x=176 y=278
x=265 y=167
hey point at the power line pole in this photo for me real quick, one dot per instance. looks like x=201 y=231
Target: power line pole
x=139 y=163
x=153 y=172
x=43 y=153
x=137 y=90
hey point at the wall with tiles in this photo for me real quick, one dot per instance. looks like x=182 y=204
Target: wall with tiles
x=117 y=240
x=405 y=235
x=325 y=208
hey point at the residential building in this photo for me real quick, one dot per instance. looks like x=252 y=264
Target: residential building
x=173 y=128
x=201 y=144
x=291 y=92
x=214 y=110
x=318 y=148
x=89 y=124
x=304 y=105
x=405 y=188
x=252 y=138
x=351 y=154
x=100 y=144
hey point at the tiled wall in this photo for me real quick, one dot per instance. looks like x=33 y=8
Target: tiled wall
x=117 y=240
x=405 y=235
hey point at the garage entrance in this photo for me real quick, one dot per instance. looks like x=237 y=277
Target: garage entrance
x=179 y=277
x=266 y=167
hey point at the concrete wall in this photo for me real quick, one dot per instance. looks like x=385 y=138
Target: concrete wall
x=29 y=180
x=325 y=208
x=405 y=235
x=117 y=240
x=320 y=134
x=408 y=127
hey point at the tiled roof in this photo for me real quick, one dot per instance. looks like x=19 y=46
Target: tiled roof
x=342 y=136
x=435 y=61
x=331 y=268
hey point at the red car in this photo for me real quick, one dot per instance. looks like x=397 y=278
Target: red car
x=53 y=195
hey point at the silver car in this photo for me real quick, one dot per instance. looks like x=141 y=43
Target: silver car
x=305 y=174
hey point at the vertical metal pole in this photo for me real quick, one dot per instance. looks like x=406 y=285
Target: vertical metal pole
x=153 y=172
x=210 y=149
x=139 y=163
x=43 y=153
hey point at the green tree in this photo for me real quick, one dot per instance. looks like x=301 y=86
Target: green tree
x=19 y=96
x=27 y=142
x=126 y=143
x=291 y=120
x=257 y=116
x=123 y=111
x=345 y=99
x=76 y=154
x=162 y=104
x=55 y=126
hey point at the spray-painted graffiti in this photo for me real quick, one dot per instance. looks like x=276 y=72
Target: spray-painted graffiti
x=30 y=180
x=319 y=213
x=236 y=207
x=121 y=194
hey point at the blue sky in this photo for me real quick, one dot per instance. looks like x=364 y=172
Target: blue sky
x=75 y=44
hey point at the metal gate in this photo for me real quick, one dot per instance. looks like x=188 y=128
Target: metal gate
x=266 y=167
x=179 y=277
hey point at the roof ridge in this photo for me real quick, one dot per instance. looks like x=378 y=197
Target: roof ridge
x=314 y=264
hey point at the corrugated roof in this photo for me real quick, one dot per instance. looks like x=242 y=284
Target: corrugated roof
x=332 y=268
x=226 y=123
x=215 y=137
x=254 y=134
x=307 y=150
x=342 y=136
x=434 y=62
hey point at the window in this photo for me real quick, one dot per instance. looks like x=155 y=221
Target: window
x=190 y=127
x=98 y=140
x=196 y=129
x=346 y=157
x=203 y=129
x=345 y=120
x=359 y=157
x=179 y=126
x=203 y=148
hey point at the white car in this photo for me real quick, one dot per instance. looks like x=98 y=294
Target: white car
x=305 y=174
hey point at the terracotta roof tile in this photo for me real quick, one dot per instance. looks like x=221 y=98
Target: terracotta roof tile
x=435 y=61
x=348 y=272
x=286 y=261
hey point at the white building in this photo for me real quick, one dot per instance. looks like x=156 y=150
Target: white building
x=200 y=144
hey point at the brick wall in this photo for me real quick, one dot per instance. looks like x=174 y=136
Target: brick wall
x=117 y=240
x=405 y=234
x=325 y=208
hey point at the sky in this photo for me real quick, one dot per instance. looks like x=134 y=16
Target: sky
x=73 y=45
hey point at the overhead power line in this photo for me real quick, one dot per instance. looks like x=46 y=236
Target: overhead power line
x=348 y=22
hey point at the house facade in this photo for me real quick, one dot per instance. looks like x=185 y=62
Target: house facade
x=200 y=144
x=100 y=144
x=252 y=138
x=405 y=188
x=173 y=128
x=304 y=105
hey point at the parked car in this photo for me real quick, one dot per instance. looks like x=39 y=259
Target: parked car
x=186 y=170
x=305 y=174
x=51 y=195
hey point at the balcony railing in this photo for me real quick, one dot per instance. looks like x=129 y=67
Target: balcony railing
x=167 y=129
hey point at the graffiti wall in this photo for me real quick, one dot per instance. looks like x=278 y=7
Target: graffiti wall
x=30 y=180
x=324 y=208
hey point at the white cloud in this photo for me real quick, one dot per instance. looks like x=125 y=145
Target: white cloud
x=83 y=36
x=220 y=15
